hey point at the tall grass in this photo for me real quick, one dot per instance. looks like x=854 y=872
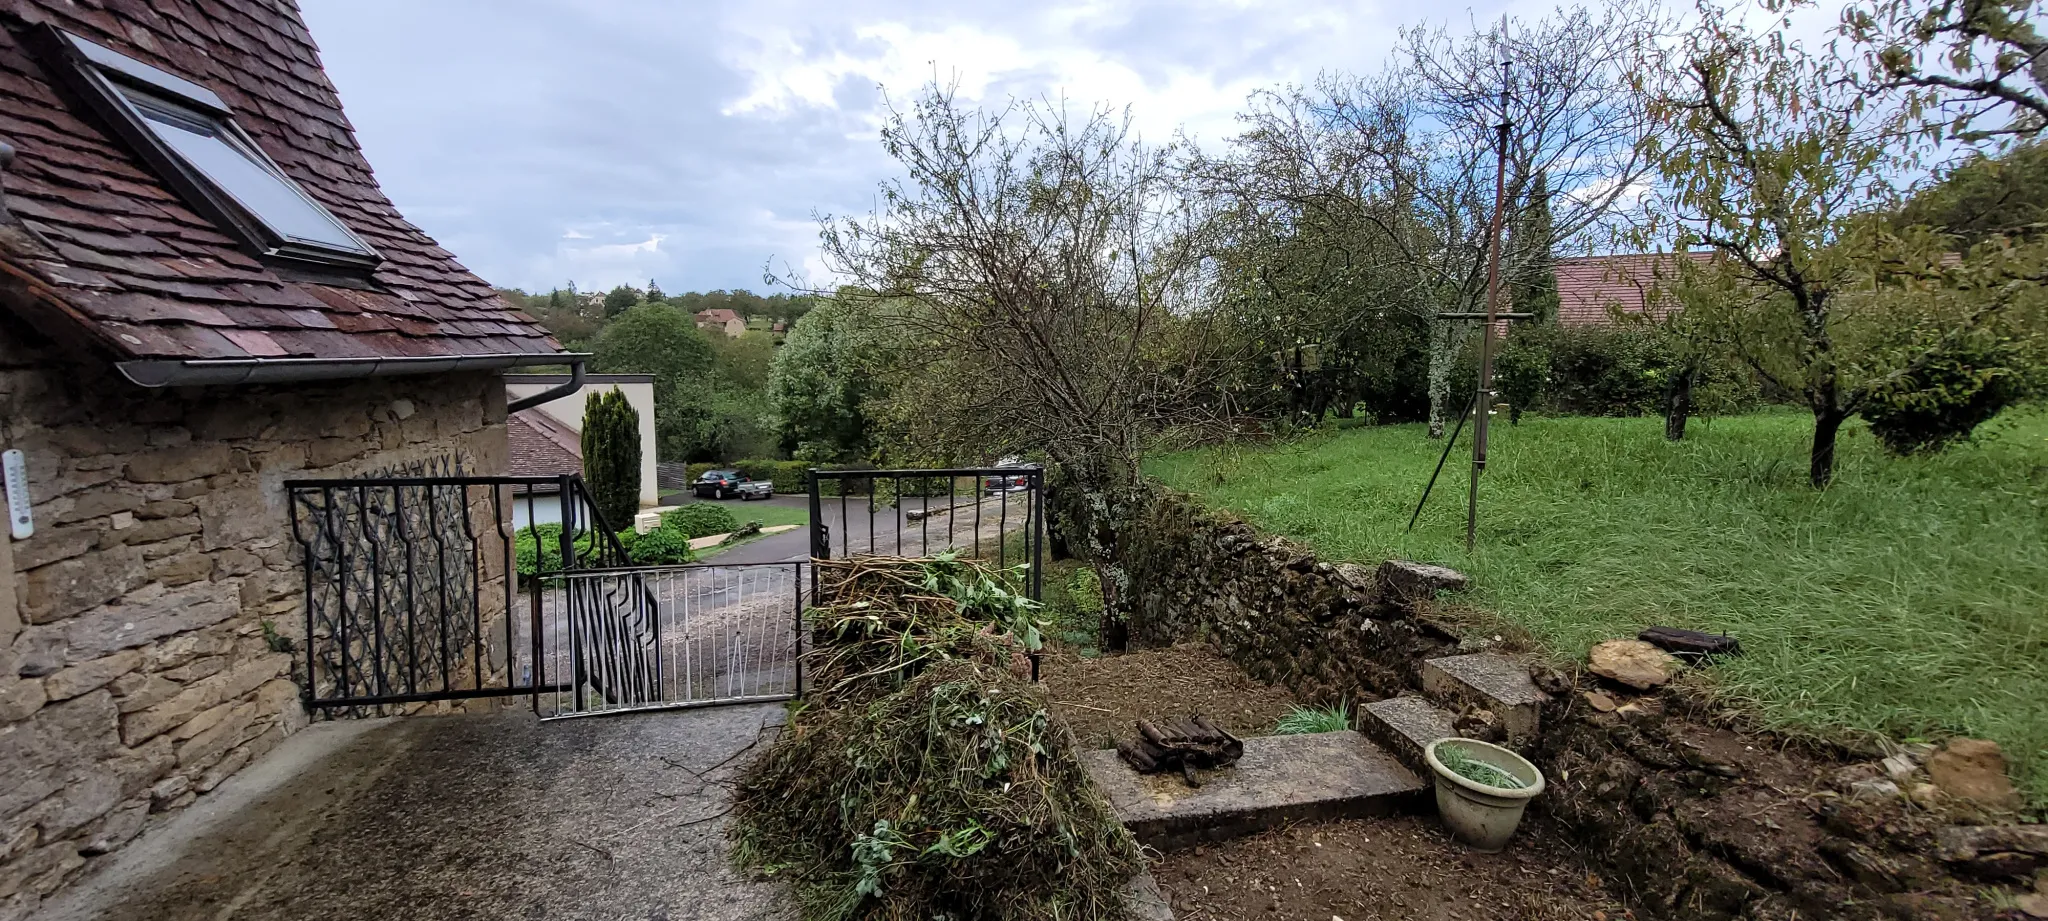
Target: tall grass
x=1910 y=598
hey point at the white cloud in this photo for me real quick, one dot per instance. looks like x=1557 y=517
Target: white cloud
x=692 y=142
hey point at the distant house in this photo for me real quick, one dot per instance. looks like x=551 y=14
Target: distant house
x=1591 y=288
x=722 y=319
x=781 y=326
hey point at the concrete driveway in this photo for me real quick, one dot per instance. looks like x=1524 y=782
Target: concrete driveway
x=488 y=816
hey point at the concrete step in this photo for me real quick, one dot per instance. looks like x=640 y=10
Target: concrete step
x=1491 y=682
x=1406 y=726
x=1280 y=779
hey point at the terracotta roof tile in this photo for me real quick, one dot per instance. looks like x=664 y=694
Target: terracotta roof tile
x=1589 y=287
x=539 y=445
x=160 y=281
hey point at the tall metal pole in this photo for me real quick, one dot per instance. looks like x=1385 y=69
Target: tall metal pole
x=1483 y=399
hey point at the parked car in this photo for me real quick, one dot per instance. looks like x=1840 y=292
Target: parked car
x=725 y=484
x=1016 y=482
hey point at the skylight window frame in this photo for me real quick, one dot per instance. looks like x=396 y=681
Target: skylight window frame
x=106 y=78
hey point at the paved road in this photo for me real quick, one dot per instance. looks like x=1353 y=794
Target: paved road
x=457 y=817
x=887 y=530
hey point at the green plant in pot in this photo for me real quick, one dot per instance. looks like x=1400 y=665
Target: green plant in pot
x=1481 y=790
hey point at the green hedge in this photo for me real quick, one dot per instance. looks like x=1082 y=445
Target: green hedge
x=1608 y=371
x=699 y=519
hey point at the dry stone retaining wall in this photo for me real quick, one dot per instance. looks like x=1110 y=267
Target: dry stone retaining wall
x=136 y=666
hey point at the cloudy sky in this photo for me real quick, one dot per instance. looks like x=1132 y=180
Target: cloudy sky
x=692 y=142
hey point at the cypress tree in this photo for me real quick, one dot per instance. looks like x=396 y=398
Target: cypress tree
x=1534 y=287
x=611 y=456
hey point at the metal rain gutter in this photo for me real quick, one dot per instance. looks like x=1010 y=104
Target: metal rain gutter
x=551 y=394
x=213 y=371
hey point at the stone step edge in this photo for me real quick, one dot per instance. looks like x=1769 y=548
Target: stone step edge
x=1491 y=682
x=1405 y=726
x=1383 y=785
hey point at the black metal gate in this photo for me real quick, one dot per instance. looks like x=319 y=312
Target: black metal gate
x=439 y=588
x=993 y=514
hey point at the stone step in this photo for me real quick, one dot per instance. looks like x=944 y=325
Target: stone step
x=1280 y=780
x=1406 y=726
x=1490 y=682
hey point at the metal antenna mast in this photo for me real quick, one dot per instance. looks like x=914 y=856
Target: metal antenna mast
x=1483 y=399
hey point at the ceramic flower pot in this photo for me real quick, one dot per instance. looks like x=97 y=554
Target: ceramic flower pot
x=1479 y=813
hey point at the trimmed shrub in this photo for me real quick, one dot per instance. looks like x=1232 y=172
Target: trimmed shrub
x=699 y=519
x=662 y=546
x=1945 y=401
x=538 y=549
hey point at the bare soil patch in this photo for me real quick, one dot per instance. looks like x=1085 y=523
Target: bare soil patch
x=1101 y=699
x=1405 y=867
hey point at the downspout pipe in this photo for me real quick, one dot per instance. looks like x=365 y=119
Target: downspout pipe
x=575 y=383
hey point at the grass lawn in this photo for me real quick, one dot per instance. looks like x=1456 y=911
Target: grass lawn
x=767 y=513
x=1910 y=598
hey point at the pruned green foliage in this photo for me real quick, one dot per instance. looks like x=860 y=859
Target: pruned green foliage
x=925 y=778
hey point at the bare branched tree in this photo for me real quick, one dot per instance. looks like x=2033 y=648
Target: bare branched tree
x=1047 y=277
x=1405 y=161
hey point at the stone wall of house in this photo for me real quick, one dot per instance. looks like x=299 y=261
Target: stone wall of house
x=1663 y=801
x=141 y=657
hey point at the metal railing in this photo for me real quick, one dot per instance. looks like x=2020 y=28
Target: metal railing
x=994 y=514
x=411 y=581
x=721 y=634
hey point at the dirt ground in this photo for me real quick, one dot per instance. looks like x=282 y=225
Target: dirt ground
x=1102 y=698
x=1404 y=867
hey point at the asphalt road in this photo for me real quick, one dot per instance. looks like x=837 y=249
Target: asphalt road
x=888 y=530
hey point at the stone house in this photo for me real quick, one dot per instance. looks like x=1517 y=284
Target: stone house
x=723 y=319
x=203 y=294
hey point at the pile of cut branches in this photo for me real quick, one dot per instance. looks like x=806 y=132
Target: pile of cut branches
x=929 y=781
x=881 y=620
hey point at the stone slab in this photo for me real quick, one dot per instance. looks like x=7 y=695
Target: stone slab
x=1280 y=780
x=1496 y=683
x=1406 y=726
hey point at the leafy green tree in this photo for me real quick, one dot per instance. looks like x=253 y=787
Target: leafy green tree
x=654 y=295
x=1987 y=196
x=656 y=339
x=822 y=378
x=620 y=299
x=1786 y=171
x=1968 y=69
x=611 y=456
x=743 y=361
